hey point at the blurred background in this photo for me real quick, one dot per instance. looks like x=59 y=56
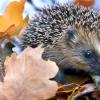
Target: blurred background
x=34 y=6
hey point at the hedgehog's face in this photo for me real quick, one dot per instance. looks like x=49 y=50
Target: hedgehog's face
x=77 y=49
x=82 y=50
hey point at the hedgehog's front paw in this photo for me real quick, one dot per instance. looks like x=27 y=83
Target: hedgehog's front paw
x=59 y=77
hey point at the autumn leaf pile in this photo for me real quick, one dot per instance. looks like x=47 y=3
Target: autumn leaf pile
x=26 y=76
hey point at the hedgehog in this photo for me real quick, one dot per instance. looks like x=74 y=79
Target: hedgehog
x=70 y=35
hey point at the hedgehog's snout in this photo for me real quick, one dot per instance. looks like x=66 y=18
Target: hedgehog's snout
x=95 y=70
x=95 y=67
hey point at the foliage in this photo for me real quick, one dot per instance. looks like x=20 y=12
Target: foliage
x=26 y=75
x=12 y=21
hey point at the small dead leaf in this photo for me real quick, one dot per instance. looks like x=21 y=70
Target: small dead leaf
x=12 y=21
x=68 y=88
x=86 y=3
x=27 y=77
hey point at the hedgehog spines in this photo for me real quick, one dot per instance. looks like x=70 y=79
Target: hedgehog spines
x=49 y=27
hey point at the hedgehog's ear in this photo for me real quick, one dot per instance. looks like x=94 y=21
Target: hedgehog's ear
x=71 y=35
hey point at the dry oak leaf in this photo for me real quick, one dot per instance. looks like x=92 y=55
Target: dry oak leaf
x=86 y=3
x=27 y=77
x=12 y=20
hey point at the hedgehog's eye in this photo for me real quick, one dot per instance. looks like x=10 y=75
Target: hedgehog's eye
x=88 y=54
x=71 y=35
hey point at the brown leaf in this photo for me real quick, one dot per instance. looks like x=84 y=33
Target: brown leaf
x=86 y=3
x=27 y=77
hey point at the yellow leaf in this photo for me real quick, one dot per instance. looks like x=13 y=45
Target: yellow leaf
x=12 y=20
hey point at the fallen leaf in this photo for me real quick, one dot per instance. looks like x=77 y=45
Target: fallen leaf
x=88 y=88
x=12 y=20
x=86 y=3
x=27 y=77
